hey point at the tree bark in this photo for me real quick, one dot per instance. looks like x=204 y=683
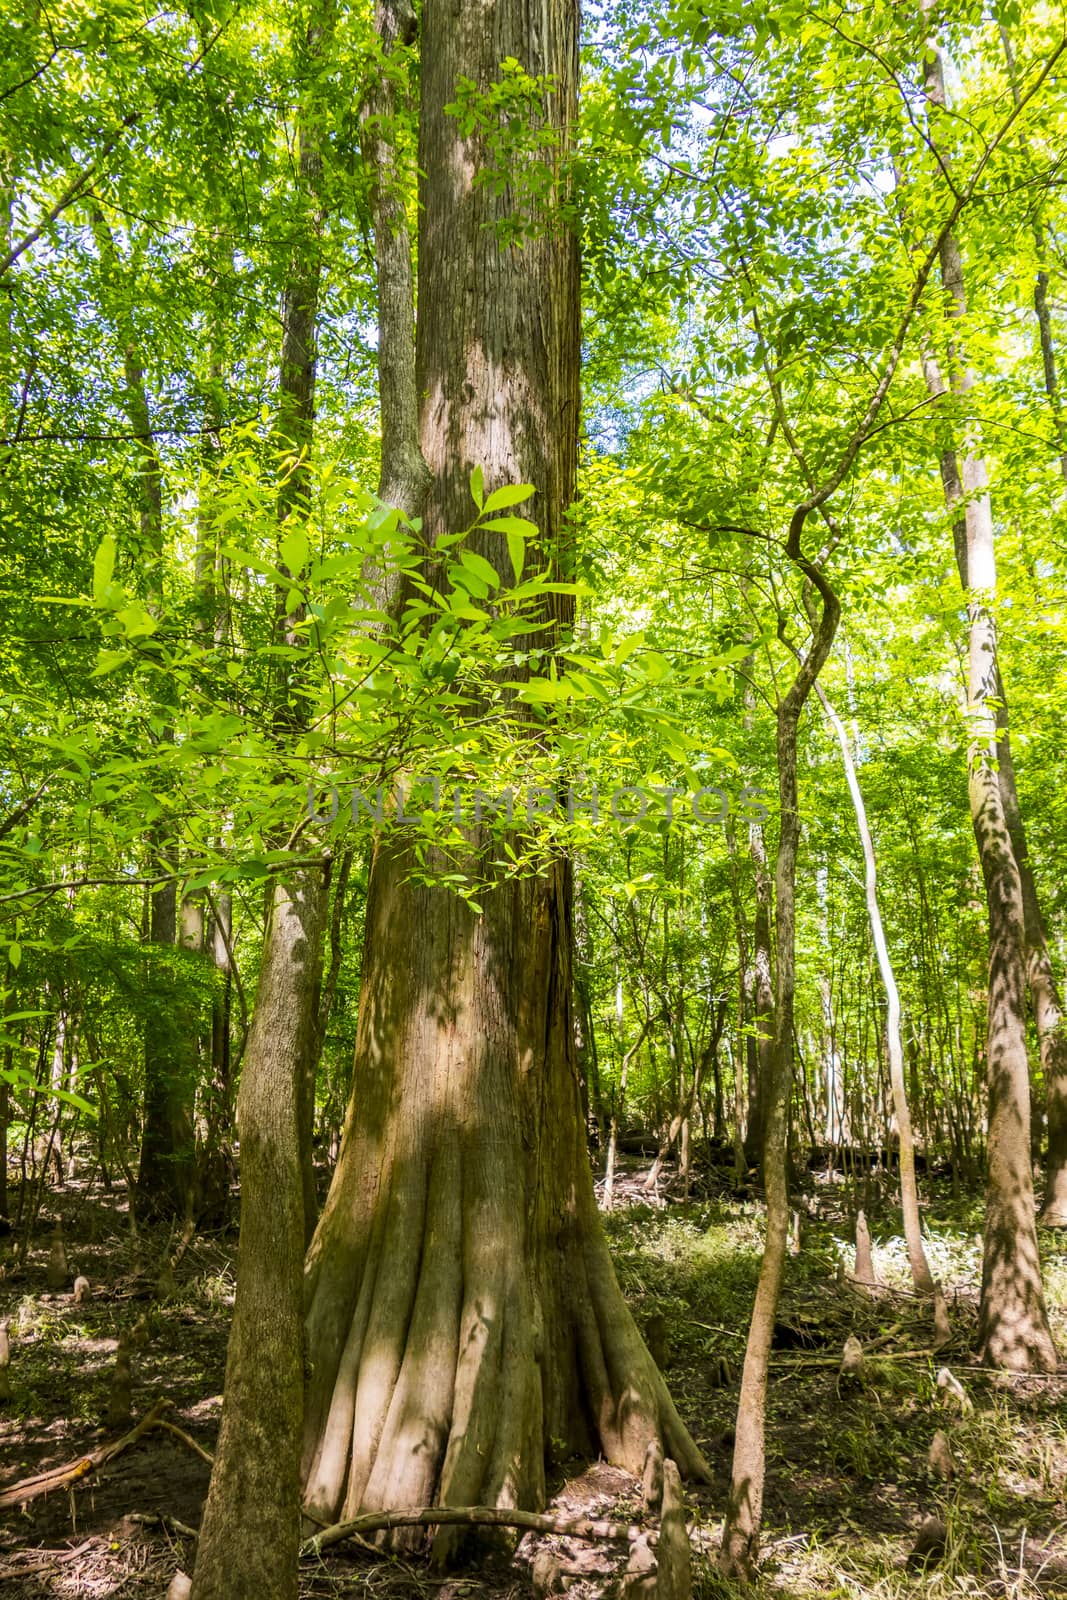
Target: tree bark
x=1041 y=305
x=909 y=1194
x=250 y=1532
x=1013 y=1325
x=762 y=990
x=758 y=977
x=463 y=1315
x=1044 y=989
x=618 y=1106
x=166 y=1171
x=293 y=433
x=1045 y=999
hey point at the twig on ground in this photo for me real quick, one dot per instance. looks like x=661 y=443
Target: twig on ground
x=52 y=1558
x=835 y=1361
x=186 y=1438
x=161 y=1519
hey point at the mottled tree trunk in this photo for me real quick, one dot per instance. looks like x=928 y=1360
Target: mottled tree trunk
x=250 y=1530
x=1013 y=1328
x=249 y=1536
x=756 y=977
x=463 y=1314
x=1045 y=999
x=1044 y=989
x=293 y=433
x=1013 y=1324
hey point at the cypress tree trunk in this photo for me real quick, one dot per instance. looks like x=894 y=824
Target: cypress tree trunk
x=463 y=1313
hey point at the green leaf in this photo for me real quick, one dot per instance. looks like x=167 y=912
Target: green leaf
x=517 y=552
x=107 y=661
x=103 y=568
x=523 y=525
x=512 y=494
x=14 y=955
x=294 y=550
x=539 y=690
x=478 y=487
x=481 y=568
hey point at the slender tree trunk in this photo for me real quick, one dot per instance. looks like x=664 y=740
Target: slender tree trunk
x=688 y=1099
x=250 y=1530
x=249 y=1536
x=5 y=1119
x=294 y=429
x=744 y=1511
x=909 y=1194
x=762 y=995
x=1045 y=999
x=463 y=1310
x=1041 y=305
x=618 y=1105
x=1013 y=1324
x=758 y=966
x=405 y=477
x=216 y=1162
x=215 y=1168
x=166 y=1171
x=1044 y=989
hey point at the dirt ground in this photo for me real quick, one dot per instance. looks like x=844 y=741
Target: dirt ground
x=848 y=1481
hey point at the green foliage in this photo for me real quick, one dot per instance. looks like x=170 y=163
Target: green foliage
x=755 y=194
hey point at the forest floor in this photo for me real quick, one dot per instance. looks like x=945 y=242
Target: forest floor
x=848 y=1482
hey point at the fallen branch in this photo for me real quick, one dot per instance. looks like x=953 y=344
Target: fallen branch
x=186 y=1438
x=162 y=1519
x=59 y=1477
x=800 y=1362
x=883 y=1339
x=472 y=1516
